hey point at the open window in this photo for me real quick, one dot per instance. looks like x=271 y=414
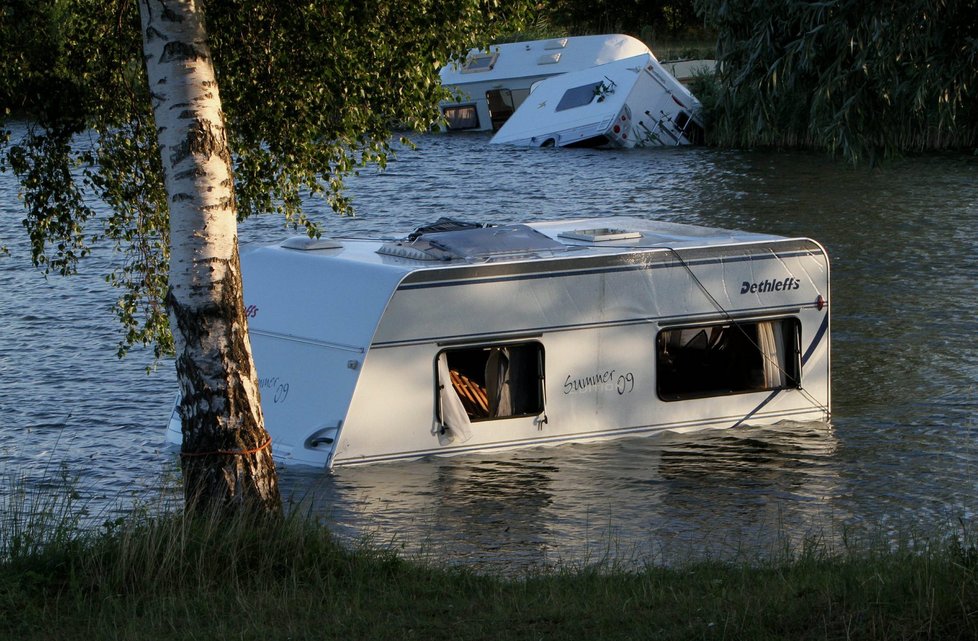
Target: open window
x=501 y=106
x=727 y=358
x=490 y=382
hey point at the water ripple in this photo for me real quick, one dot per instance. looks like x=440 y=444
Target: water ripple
x=901 y=452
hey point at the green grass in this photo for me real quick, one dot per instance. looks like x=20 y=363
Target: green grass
x=170 y=577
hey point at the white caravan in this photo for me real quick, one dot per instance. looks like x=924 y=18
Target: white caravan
x=460 y=338
x=492 y=84
x=626 y=103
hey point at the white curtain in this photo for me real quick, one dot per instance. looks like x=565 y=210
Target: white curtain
x=770 y=337
x=453 y=414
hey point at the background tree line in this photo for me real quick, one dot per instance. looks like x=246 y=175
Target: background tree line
x=863 y=80
x=652 y=21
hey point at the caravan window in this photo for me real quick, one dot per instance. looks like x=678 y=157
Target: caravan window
x=688 y=126
x=461 y=117
x=727 y=358
x=494 y=381
x=580 y=96
x=501 y=106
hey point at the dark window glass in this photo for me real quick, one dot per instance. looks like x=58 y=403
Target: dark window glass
x=727 y=358
x=580 y=96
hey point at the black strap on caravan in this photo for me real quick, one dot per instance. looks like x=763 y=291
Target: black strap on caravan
x=444 y=224
x=727 y=315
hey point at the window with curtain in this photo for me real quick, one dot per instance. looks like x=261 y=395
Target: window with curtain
x=461 y=117
x=727 y=358
x=490 y=382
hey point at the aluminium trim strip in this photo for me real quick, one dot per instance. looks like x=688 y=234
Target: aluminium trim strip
x=667 y=321
x=531 y=270
x=597 y=434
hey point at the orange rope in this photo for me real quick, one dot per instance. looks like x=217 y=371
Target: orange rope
x=230 y=452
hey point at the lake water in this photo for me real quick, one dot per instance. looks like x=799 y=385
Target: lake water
x=900 y=455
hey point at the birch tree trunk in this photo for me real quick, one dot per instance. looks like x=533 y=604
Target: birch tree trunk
x=226 y=458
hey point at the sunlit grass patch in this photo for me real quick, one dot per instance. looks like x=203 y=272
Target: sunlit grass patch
x=162 y=575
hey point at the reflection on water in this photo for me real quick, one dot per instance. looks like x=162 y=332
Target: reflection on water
x=902 y=452
x=645 y=498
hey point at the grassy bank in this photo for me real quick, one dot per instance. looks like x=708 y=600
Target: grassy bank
x=169 y=577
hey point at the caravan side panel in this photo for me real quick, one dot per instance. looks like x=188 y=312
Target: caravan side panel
x=313 y=315
x=597 y=322
x=305 y=392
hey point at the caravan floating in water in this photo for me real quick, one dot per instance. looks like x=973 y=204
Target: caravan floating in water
x=462 y=338
x=625 y=103
x=492 y=84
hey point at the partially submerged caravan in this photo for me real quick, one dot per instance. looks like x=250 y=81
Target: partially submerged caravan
x=625 y=103
x=462 y=338
x=492 y=84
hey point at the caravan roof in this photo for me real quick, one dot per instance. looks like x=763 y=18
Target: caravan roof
x=540 y=58
x=369 y=271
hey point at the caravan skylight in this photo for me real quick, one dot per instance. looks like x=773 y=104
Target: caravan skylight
x=479 y=242
x=489 y=241
x=479 y=63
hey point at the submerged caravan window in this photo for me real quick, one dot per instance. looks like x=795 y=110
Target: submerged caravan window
x=727 y=358
x=461 y=117
x=501 y=106
x=692 y=131
x=492 y=381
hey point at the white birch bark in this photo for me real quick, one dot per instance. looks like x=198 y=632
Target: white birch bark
x=225 y=458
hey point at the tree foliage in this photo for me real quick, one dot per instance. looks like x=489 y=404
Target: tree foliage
x=311 y=92
x=861 y=79
x=647 y=18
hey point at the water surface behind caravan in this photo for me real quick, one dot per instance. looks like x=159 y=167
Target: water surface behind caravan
x=900 y=455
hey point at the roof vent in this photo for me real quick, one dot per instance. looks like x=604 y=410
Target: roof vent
x=601 y=234
x=559 y=43
x=304 y=243
x=549 y=59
